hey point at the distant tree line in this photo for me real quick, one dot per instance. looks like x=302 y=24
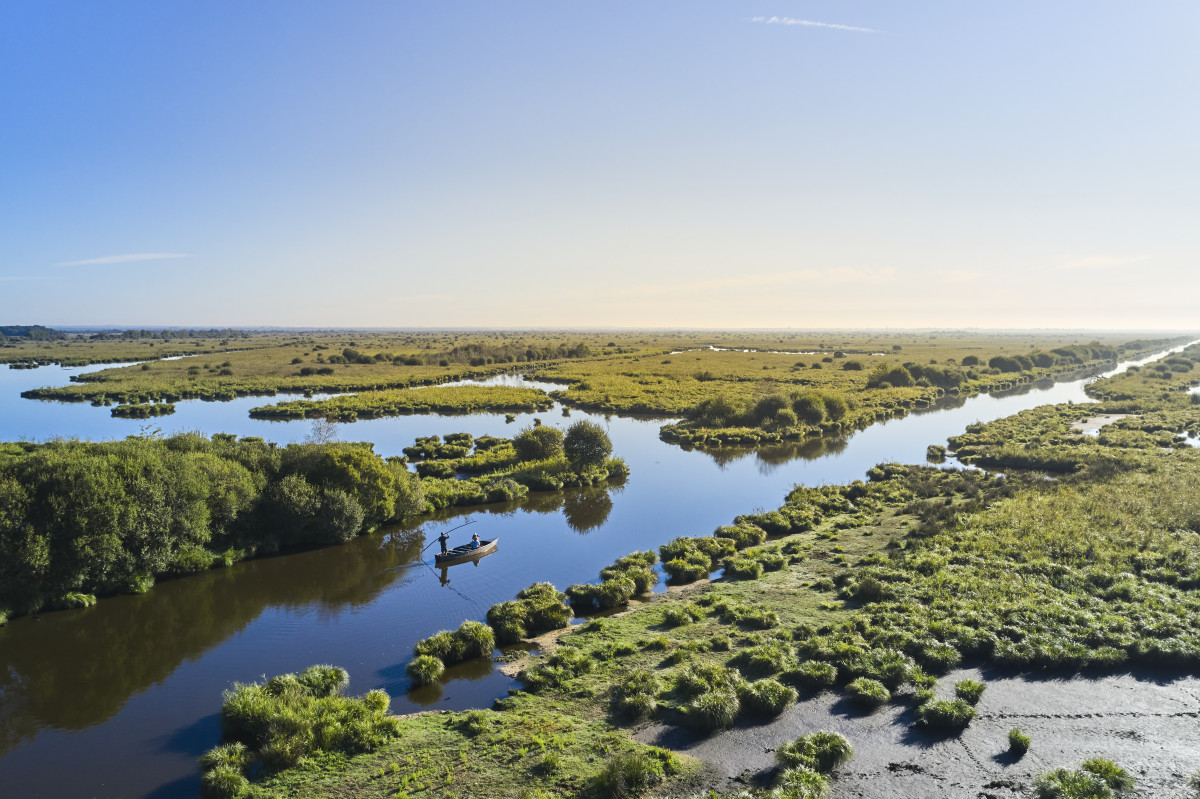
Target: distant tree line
x=30 y=332
x=225 y=333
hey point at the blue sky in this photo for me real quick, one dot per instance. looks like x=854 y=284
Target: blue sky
x=731 y=163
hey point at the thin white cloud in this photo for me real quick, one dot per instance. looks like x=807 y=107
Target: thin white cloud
x=128 y=258
x=808 y=23
x=1103 y=261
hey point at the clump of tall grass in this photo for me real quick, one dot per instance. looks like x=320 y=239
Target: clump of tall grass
x=232 y=755
x=476 y=722
x=801 y=783
x=471 y=640
x=679 y=615
x=701 y=678
x=969 y=691
x=1113 y=775
x=537 y=609
x=425 y=669
x=637 y=695
x=713 y=710
x=1018 y=742
x=1094 y=779
x=223 y=782
x=565 y=664
x=954 y=714
x=630 y=773
x=868 y=693
x=766 y=697
x=291 y=717
x=742 y=535
x=813 y=674
x=769 y=658
x=821 y=751
x=742 y=568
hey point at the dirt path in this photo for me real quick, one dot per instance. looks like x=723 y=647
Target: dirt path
x=1149 y=724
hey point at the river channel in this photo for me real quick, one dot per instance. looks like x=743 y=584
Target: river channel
x=119 y=700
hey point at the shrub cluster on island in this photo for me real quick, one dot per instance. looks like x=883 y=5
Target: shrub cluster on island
x=83 y=519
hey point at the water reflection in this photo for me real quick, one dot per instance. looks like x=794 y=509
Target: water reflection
x=587 y=508
x=88 y=657
x=72 y=670
x=770 y=458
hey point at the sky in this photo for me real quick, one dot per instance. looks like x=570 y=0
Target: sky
x=523 y=163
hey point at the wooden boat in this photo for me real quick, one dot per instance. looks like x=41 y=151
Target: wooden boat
x=464 y=553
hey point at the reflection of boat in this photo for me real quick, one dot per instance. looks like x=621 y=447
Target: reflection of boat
x=464 y=553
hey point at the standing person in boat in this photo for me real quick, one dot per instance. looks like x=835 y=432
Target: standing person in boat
x=475 y=541
x=443 y=538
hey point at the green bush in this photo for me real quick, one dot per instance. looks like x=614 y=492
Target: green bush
x=701 y=678
x=943 y=714
x=538 y=443
x=689 y=570
x=868 y=693
x=425 y=669
x=713 y=710
x=1064 y=783
x=677 y=616
x=627 y=774
x=742 y=568
x=476 y=722
x=1113 y=775
x=801 y=783
x=476 y=640
x=636 y=696
x=820 y=751
x=813 y=674
x=223 y=782
x=1018 y=742
x=292 y=717
x=766 y=697
x=969 y=691
x=233 y=755
x=742 y=535
x=769 y=658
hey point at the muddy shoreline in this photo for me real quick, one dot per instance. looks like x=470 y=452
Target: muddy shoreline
x=1146 y=721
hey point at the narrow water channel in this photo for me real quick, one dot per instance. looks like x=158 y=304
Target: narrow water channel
x=120 y=699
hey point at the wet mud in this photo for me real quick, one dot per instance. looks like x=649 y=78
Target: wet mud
x=1148 y=723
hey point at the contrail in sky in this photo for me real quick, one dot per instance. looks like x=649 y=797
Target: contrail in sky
x=810 y=24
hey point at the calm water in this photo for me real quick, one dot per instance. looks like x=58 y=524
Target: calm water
x=119 y=700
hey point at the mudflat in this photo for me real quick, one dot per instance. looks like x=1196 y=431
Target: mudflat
x=1148 y=722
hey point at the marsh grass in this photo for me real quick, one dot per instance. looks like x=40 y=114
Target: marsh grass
x=969 y=691
x=766 y=697
x=821 y=751
x=713 y=710
x=945 y=714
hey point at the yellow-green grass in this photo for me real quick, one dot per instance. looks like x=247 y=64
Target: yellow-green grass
x=435 y=399
x=81 y=350
x=532 y=745
x=627 y=366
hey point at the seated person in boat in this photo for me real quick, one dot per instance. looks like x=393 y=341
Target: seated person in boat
x=474 y=541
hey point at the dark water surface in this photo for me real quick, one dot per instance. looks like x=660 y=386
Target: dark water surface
x=120 y=699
